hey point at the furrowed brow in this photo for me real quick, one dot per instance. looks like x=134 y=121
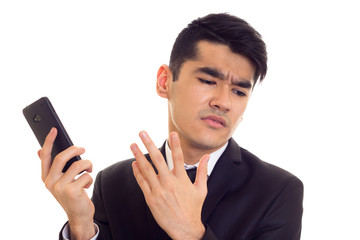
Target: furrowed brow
x=217 y=74
x=212 y=72
x=242 y=83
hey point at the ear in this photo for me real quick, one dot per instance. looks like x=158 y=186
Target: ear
x=163 y=82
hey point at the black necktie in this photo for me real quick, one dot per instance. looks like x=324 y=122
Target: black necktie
x=192 y=174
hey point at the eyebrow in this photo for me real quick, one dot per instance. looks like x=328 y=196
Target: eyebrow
x=218 y=74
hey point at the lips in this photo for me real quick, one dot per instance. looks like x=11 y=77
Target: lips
x=215 y=121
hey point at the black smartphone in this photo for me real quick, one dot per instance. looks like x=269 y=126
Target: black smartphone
x=41 y=117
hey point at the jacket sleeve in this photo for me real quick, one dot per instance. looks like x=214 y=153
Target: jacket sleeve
x=282 y=221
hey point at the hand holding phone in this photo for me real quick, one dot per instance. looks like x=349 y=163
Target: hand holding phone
x=42 y=117
x=60 y=179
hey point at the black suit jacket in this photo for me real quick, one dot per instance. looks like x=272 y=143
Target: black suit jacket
x=247 y=199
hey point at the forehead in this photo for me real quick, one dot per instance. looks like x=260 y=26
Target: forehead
x=219 y=56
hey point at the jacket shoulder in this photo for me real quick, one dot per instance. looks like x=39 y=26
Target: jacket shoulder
x=266 y=172
x=119 y=172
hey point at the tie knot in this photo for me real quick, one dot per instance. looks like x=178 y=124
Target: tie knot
x=192 y=174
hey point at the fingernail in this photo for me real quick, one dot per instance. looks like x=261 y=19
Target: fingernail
x=143 y=135
x=133 y=147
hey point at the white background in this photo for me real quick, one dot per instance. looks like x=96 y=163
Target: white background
x=97 y=62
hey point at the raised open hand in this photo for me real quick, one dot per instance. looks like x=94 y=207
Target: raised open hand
x=174 y=201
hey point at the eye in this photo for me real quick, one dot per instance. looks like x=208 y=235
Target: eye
x=239 y=93
x=207 y=81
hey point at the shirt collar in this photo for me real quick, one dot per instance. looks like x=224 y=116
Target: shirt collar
x=214 y=157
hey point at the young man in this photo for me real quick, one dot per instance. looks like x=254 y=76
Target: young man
x=214 y=65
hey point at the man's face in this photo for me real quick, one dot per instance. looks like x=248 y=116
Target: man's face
x=208 y=100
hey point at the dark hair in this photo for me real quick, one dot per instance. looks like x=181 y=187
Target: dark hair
x=225 y=29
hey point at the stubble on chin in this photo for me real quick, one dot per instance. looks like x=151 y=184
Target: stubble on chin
x=202 y=137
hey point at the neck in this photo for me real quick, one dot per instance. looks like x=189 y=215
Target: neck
x=193 y=152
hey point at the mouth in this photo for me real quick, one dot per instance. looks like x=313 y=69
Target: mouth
x=215 y=121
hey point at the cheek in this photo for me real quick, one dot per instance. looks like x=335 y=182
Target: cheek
x=186 y=105
x=191 y=98
x=238 y=110
x=185 y=109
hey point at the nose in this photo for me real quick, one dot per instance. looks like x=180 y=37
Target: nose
x=221 y=99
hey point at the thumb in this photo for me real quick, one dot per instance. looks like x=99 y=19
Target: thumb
x=201 y=174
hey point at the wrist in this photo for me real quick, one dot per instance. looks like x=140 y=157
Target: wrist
x=195 y=233
x=82 y=230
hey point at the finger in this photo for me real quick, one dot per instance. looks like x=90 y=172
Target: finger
x=147 y=171
x=63 y=157
x=84 y=181
x=59 y=162
x=45 y=153
x=177 y=154
x=155 y=154
x=201 y=174
x=76 y=168
x=145 y=187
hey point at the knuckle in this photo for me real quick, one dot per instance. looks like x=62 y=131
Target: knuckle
x=76 y=166
x=50 y=186
x=87 y=177
x=145 y=168
x=47 y=185
x=57 y=158
x=88 y=164
x=90 y=177
x=42 y=154
x=151 y=201
x=57 y=188
x=91 y=180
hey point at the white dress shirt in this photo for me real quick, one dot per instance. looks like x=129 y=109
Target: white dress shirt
x=214 y=157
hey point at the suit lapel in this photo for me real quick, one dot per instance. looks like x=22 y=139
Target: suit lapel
x=225 y=172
